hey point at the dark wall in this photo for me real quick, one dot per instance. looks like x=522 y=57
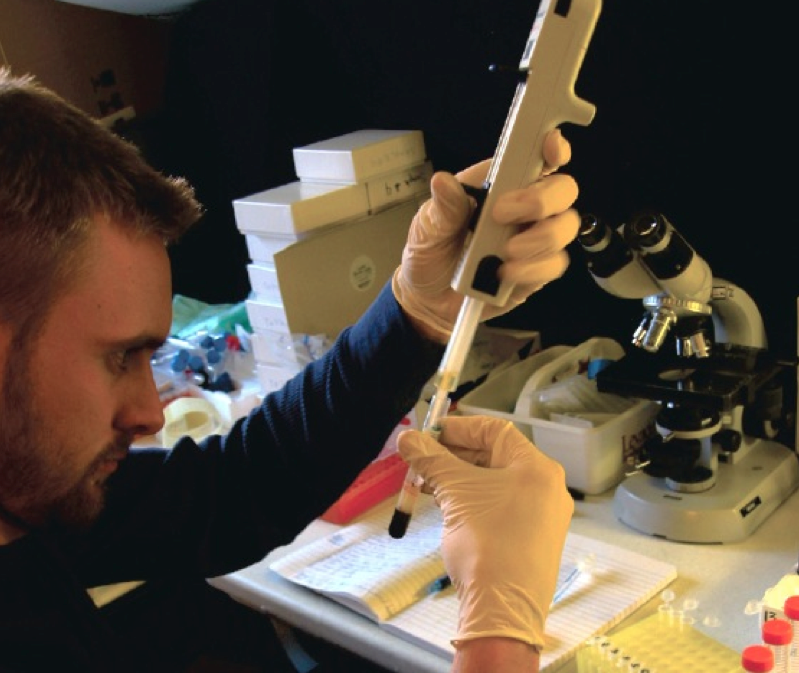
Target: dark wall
x=692 y=119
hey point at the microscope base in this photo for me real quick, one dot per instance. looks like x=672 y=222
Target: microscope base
x=744 y=495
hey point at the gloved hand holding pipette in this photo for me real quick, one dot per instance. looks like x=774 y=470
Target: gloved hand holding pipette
x=505 y=524
x=535 y=255
x=545 y=223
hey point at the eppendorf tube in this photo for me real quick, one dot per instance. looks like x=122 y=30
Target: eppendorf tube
x=446 y=381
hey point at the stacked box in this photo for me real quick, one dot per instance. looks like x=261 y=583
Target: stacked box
x=355 y=158
x=321 y=247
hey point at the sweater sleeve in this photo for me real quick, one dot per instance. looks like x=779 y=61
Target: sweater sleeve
x=224 y=503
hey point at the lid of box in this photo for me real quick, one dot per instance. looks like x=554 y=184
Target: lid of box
x=136 y=6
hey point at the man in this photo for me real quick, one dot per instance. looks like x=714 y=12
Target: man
x=85 y=300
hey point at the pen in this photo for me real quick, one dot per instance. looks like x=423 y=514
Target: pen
x=439 y=584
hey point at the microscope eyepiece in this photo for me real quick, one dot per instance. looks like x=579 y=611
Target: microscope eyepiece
x=660 y=246
x=605 y=251
x=592 y=231
x=646 y=230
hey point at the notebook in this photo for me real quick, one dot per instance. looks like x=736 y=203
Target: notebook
x=389 y=580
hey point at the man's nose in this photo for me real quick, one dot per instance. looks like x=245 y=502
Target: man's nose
x=142 y=411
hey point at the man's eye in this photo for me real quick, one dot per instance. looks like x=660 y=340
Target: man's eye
x=121 y=359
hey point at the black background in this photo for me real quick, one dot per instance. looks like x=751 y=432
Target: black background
x=694 y=118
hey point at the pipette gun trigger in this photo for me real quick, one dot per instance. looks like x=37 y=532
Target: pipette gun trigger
x=485 y=280
x=479 y=194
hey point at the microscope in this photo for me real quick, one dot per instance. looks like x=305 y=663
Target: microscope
x=713 y=471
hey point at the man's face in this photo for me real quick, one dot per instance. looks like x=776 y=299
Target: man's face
x=71 y=405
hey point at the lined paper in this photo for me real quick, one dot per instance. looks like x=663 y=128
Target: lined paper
x=620 y=582
x=386 y=579
x=366 y=569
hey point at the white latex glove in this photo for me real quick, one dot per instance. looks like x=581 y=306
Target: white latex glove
x=535 y=255
x=504 y=524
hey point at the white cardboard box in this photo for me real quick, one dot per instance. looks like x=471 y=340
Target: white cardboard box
x=262 y=247
x=273 y=377
x=266 y=315
x=264 y=282
x=381 y=192
x=273 y=348
x=387 y=189
x=594 y=458
x=299 y=207
x=284 y=215
x=360 y=155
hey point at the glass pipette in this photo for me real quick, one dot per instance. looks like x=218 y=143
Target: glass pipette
x=445 y=381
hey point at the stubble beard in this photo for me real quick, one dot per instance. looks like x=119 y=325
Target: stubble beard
x=29 y=469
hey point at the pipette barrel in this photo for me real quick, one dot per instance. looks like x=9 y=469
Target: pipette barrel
x=449 y=373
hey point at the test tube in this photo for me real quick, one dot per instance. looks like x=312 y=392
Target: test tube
x=412 y=485
x=757 y=659
x=777 y=634
x=791 y=610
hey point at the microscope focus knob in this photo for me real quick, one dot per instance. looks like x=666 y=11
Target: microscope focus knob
x=669 y=459
x=729 y=440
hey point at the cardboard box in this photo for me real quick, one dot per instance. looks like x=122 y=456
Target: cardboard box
x=328 y=280
x=274 y=377
x=358 y=156
x=262 y=247
x=264 y=282
x=137 y=6
x=267 y=316
x=299 y=207
x=387 y=189
x=106 y=63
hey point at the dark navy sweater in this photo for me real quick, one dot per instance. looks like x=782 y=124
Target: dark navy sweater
x=209 y=508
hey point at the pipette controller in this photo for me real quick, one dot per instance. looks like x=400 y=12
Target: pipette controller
x=544 y=99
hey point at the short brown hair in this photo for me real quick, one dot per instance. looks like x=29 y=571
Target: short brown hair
x=59 y=171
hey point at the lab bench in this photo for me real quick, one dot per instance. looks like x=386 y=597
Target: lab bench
x=722 y=580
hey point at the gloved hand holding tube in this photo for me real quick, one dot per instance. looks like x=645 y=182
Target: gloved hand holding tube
x=505 y=524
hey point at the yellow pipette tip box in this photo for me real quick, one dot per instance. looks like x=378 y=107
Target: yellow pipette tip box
x=660 y=643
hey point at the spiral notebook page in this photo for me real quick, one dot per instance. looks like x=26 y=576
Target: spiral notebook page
x=370 y=572
x=618 y=583
x=385 y=579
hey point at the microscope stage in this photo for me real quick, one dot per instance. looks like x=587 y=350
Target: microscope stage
x=730 y=377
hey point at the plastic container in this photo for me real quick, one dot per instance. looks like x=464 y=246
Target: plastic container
x=380 y=479
x=374 y=484
x=595 y=457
